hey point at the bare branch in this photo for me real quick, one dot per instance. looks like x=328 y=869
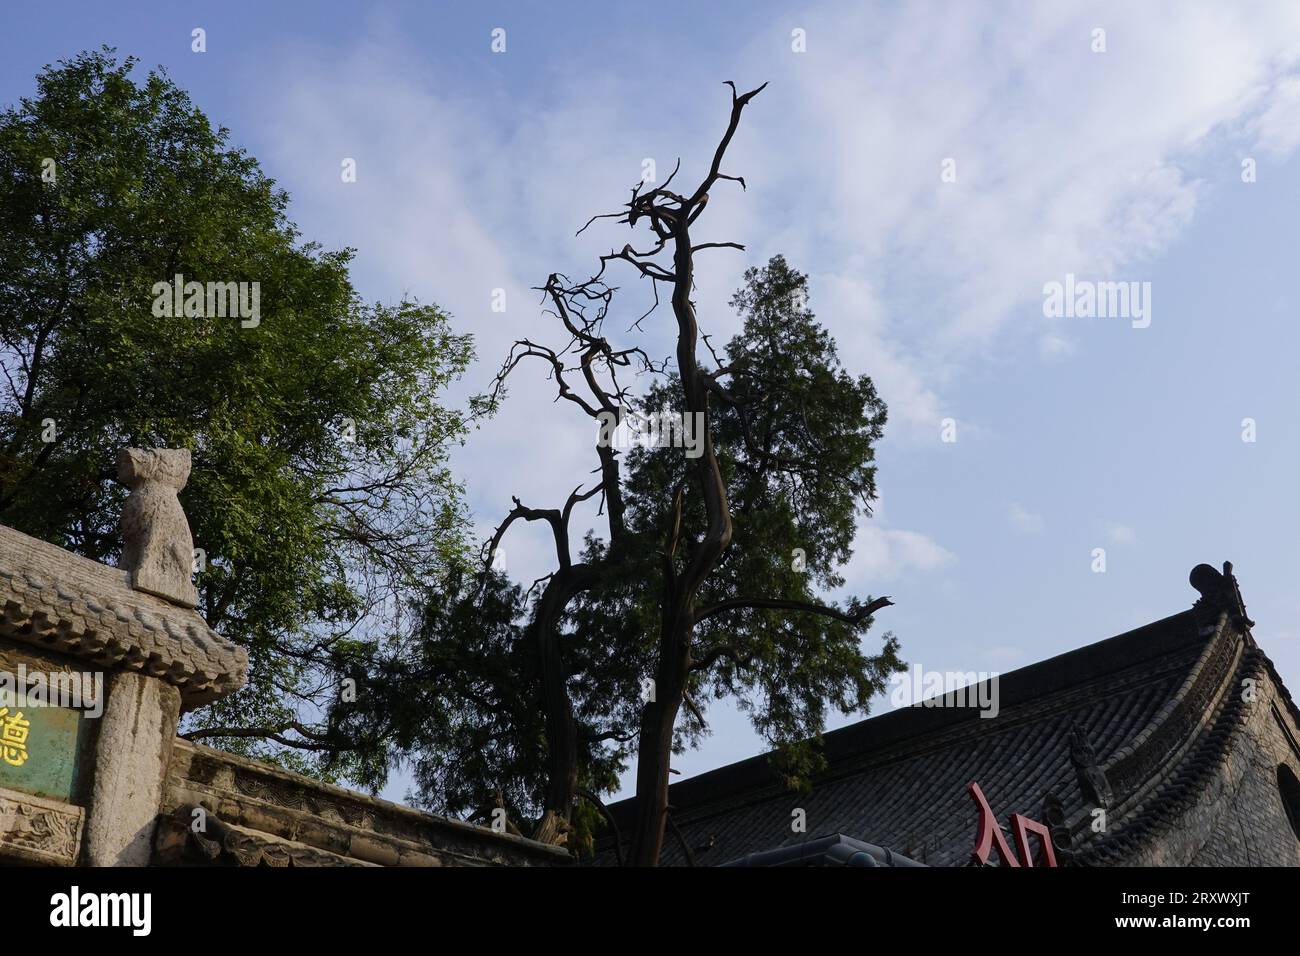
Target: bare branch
x=712 y=655
x=738 y=104
x=316 y=742
x=824 y=610
x=717 y=245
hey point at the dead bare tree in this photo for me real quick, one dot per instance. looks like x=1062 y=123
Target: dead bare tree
x=582 y=309
x=690 y=554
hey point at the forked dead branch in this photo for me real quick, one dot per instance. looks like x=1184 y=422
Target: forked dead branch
x=693 y=528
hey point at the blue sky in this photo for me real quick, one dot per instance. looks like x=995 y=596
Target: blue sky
x=475 y=168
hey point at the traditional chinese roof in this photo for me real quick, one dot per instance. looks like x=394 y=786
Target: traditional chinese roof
x=58 y=601
x=1134 y=724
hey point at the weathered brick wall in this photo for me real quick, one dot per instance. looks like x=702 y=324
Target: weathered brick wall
x=1235 y=815
x=1238 y=818
x=1251 y=827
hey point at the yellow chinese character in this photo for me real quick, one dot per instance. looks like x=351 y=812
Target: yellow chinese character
x=13 y=737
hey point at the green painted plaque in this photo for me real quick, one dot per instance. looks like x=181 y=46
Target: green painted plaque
x=38 y=750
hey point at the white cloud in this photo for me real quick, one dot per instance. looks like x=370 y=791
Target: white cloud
x=1120 y=534
x=1068 y=161
x=887 y=553
x=1277 y=127
x=1054 y=346
x=1024 y=521
x=849 y=305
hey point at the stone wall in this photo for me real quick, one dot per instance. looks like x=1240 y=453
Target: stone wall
x=226 y=810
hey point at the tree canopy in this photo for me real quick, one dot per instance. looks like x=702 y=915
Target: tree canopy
x=698 y=539
x=795 y=442
x=330 y=526
x=320 y=493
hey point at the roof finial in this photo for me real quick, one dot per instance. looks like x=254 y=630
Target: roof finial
x=1219 y=592
x=158 y=550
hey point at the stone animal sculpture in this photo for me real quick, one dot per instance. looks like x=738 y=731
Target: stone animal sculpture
x=158 y=551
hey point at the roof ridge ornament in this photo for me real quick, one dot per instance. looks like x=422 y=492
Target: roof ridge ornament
x=1093 y=783
x=158 y=549
x=1219 y=591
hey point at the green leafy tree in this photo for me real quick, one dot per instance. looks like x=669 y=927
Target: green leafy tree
x=712 y=577
x=460 y=700
x=794 y=435
x=782 y=460
x=320 y=490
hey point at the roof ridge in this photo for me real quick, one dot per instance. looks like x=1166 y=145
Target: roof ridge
x=1174 y=727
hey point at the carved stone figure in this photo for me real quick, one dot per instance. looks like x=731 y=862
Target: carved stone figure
x=158 y=550
x=1093 y=784
x=1054 y=817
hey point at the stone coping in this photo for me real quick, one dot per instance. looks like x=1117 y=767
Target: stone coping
x=178 y=843
x=58 y=601
x=266 y=799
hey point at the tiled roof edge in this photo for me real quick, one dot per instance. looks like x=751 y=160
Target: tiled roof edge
x=1179 y=790
x=58 y=601
x=1134 y=768
x=1072 y=668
